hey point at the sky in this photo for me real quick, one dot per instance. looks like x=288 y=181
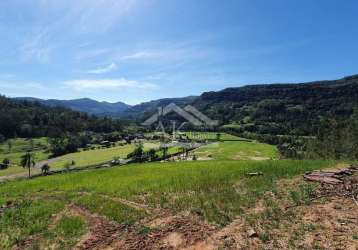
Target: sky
x=139 y=50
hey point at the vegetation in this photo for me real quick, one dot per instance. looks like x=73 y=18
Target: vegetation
x=213 y=136
x=28 y=161
x=28 y=119
x=280 y=109
x=219 y=190
x=238 y=150
x=93 y=157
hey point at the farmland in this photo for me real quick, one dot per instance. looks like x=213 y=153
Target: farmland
x=237 y=150
x=219 y=190
x=150 y=203
x=212 y=136
x=13 y=149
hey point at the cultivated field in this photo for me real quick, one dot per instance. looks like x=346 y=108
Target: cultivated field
x=237 y=150
x=244 y=195
x=212 y=136
x=92 y=157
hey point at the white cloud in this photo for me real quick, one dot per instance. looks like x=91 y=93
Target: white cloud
x=141 y=55
x=87 y=84
x=103 y=70
x=36 y=47
x=90 y=15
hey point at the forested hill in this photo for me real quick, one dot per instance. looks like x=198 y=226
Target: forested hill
x=29 y=119
x=282 y=108
x=87 y=105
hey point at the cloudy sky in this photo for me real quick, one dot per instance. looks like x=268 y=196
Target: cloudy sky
x=139 y=50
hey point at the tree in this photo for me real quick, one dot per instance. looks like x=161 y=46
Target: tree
x=152 y=154
x=164 y=151
x=138 y=152
x=5 y=163
x=31 y=144
x=28 y=161
x=45 y=169
x=9 y=145
x=218 y=136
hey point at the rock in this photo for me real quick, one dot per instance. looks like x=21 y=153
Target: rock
x=255 y=174
x=252 y=233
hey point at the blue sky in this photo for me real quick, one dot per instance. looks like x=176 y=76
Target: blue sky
x=139 y=50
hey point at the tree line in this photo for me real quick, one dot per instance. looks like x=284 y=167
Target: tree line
x=28 y=119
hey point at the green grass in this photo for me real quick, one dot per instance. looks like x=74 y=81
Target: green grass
x=18 y=148
x=66 y=232
x=92 y=157
x=238 y=150
x=110 y=208
x=23 y=145
x=28 y=218
x=219 y=190
x=211 y=136
x=98 y=156
x=210 y=186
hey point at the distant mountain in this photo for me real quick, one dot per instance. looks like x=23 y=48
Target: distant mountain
x=282 y=108
x=20 y=118
x=286 y=108
x=115 y=110
x=84 y=105
x=146 y=109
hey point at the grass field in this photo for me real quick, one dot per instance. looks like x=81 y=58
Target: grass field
x=211 y=136
x=92 y=157
x=17 y=147
x=237 y=150
x=219 y=190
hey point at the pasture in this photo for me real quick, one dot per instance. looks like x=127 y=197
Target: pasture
x=13 y=149
x=218 y=190
x=212 y=136
x=237 y=150
x=93 y=157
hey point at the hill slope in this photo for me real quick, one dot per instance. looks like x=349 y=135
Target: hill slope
x=29 y=119
x=282 y=108
x=266 y=109
x=84 y=105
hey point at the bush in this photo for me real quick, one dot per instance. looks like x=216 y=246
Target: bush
x=5 y=163
x=45 y=169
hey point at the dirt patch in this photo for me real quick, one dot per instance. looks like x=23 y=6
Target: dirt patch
x=176 y=232
x=331 y=223
x=336 y=222
x=205 y=158
x=259 y=158
x=247 y=157
x=173 y=240
x=102 y=231
x=159 y=222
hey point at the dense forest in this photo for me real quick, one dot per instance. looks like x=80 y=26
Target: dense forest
x=31 y=119
x=285 y=109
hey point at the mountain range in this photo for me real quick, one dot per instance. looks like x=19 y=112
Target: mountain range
x=114 y=110
x=86 y=105
x=268 y=108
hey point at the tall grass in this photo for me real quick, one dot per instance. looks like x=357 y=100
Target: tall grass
x=219 y=189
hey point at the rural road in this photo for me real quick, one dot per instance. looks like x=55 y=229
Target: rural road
x=35 y=170
x=48 y=161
